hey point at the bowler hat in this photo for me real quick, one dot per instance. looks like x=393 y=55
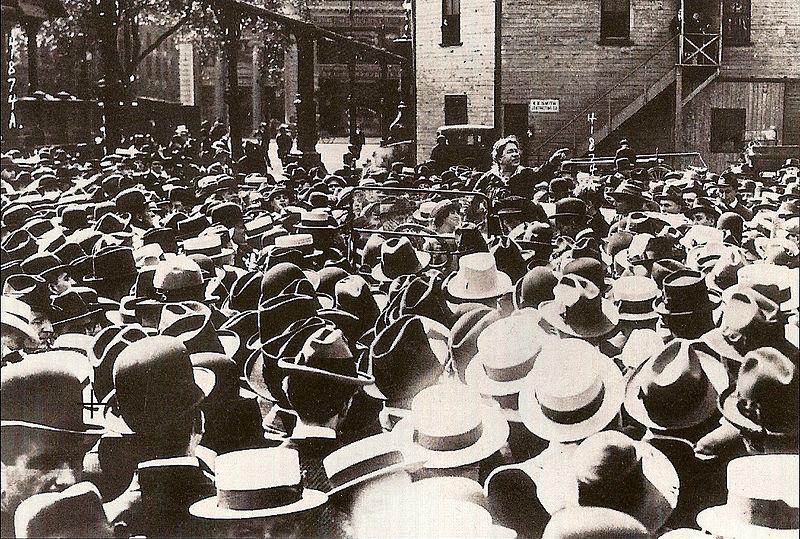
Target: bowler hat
x=535 y=287
x=703 y=205
x=155 y=384
x=593 y=523
x=165 y=237
x=44 y=392
x=569 y=207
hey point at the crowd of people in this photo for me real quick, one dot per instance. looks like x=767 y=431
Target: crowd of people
x=199 y=347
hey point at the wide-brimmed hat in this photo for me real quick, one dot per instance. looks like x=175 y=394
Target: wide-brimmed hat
x=326 y=354
x=628 y=190
x=765 y=397
x=398 y=257
x=579 y=309
x=762 y=499
x=778 y=283
x=578 y=522
x=478 y=278
x=450 y=426
x=405 y=360
x=44 y=392
x=645 y=483
x=75 y=304
x=111 y=264
x=572 y=392
x=42 y=515
x=634 y=297
x=17 y=314
x=190 y=322
x=463 y=340
x=507 y=352
x=367 y=459
x=257 y=483
x=703 y=205
x=677 y=388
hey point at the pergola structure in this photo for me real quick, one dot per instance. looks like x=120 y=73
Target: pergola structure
x=229 y=14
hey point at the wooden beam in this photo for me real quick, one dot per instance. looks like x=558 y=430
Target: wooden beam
x=700 y=88
x=297 y=27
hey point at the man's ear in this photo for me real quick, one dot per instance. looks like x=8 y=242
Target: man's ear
x=52 y=289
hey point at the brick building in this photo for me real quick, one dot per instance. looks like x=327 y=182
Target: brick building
x=542 y=69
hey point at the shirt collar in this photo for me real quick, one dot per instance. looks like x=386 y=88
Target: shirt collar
x=301 y=431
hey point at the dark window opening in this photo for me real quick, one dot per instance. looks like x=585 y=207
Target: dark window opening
x=615 y=20
x=515 y=120
x=727 y=130
x=455 y=109
x=451 y=22
x=736 y=22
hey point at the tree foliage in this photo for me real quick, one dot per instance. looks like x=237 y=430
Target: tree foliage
x=71 y=42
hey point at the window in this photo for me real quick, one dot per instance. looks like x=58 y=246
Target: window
x=515 y=120
x=615 y=21
x=455 y=109
x=727 y=130
x=736 y=22
x=451 y=22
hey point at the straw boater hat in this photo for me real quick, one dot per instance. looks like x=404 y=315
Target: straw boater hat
x=634 y=297
x=257 y=483
x=507 y=352
x=762 y=499
x=450 y=426
x=572 y=392
x=366 y=459
x=611 y=469
x=478 y=279
x=677 y=388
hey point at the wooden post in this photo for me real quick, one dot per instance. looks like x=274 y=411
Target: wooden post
x=677 y=137
x=307 y=135
x=257 y=86
x=31 y=30
x=230 y=21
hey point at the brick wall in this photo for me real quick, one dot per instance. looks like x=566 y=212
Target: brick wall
x=551 y=50
x=775 y=38
x=465 y=69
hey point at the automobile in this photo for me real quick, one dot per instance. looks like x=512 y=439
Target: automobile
x=470 y=144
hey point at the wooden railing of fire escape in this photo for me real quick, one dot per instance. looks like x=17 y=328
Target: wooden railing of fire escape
x=606 y=95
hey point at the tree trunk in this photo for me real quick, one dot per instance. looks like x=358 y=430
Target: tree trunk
x=230 y=22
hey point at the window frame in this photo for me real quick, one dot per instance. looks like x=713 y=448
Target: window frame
x=717 y=123
x=451 y=23
x=459 y=99
x=606 y=39
x=726 y=33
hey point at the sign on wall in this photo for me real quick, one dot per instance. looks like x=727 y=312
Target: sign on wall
x=543 y=105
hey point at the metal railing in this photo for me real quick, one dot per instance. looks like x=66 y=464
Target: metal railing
x=607 y=94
